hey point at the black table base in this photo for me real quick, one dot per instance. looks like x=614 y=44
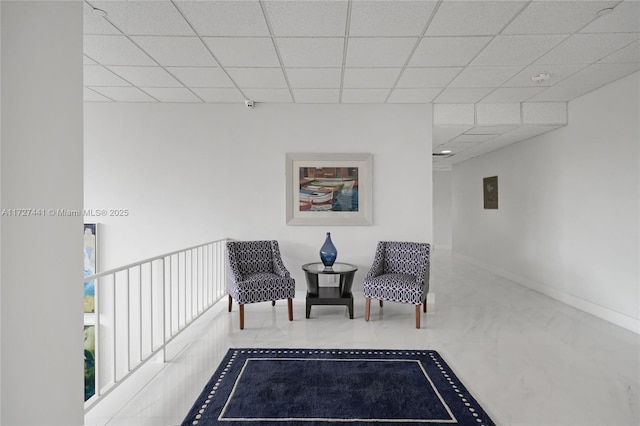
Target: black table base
x=340 y=295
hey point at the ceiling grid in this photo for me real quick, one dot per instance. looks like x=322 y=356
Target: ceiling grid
x=440 y=52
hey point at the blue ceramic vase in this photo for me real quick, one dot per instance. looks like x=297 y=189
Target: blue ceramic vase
x=328 y=252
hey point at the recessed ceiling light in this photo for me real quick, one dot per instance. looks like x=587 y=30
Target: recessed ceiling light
x=446 y=151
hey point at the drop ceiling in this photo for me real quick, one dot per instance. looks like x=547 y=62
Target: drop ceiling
x=474 y=60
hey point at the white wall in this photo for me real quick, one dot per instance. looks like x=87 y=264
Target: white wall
x=189 y=174
x=568 y=217
x=442 y=232
x=41 y=168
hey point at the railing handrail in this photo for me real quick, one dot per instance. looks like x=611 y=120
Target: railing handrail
x=149 y=260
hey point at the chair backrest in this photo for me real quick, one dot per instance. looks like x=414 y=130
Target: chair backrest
x=251 y=256
x=405 y=257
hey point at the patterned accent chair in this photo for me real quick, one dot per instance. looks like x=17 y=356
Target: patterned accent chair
x=255 y=273
x=400 y=273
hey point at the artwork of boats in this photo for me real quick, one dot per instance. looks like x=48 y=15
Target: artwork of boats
x=328 y=189
x=327 y=195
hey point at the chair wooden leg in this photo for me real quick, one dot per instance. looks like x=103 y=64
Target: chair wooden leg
x=290 y=308
x=381 y=303
x=417 y=316
x=273 y=303
x=367 y=308
x=230 y=302
x=241 y=317
x=424 y=305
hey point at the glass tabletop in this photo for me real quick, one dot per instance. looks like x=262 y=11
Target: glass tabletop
x=337 y=268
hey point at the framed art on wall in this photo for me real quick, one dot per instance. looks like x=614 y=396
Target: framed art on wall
x=329 y=189
x=490 y=192
x=90 y=244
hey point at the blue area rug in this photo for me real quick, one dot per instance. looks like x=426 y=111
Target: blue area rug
x=331 y=386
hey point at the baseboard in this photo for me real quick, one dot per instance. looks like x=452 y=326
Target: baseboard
x=621 y=320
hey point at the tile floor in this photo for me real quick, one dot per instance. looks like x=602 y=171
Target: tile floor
x=528 y=360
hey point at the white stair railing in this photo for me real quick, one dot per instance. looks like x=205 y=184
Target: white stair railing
x=140 y=308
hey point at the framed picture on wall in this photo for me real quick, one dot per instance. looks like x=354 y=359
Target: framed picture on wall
x=490 y=191
x=329 y=189
x=89 y=361
x=90 y=265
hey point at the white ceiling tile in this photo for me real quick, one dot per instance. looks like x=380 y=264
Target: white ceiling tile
x=624 y=19
x=527 y=132
x=171 y=94
x=219 y=95
x=185 y=51
x=489 y=130
x=94 y=23
x=462 y=95
x=389 y=18
x=586 y=48
x=557 y=72
x=454 y=114
x=556 y=17
x=307 y=18
x=96 y=75
x=498 y=114
x=447 y=51
x=311 y=52
x=146 y=76
x=364 y=96
x=465 y=138
x=456 y=147
x=562 y=93
x=271 y=78
x=124 y=94
x=364 y=78
x=316 y=96
x=484 y=76
x=201 y=76
x=92 y=96
x=444 y=133
x=145 y=17
x=114 y=50
x=473 y=17
x=516 y=50
x=412 y=96
x=269 y=95
x=379 y=52
x=630 y=53
x=314 y=78
x=428 y=77
x=546 y=113
x=243 y=52
x=512 y=94
x=600 y=74
x=225 y=18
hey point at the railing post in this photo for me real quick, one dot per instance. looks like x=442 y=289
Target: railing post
x=164 y=311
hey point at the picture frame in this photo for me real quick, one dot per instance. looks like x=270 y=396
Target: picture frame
x=90 y=264
x=329 y=189
x=490 y=192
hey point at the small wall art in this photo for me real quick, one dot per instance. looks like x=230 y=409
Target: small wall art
x=490 y=191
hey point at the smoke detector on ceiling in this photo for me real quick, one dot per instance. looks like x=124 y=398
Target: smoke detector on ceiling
x=539 y=78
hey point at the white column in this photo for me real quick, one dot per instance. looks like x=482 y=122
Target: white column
x=41 y=168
